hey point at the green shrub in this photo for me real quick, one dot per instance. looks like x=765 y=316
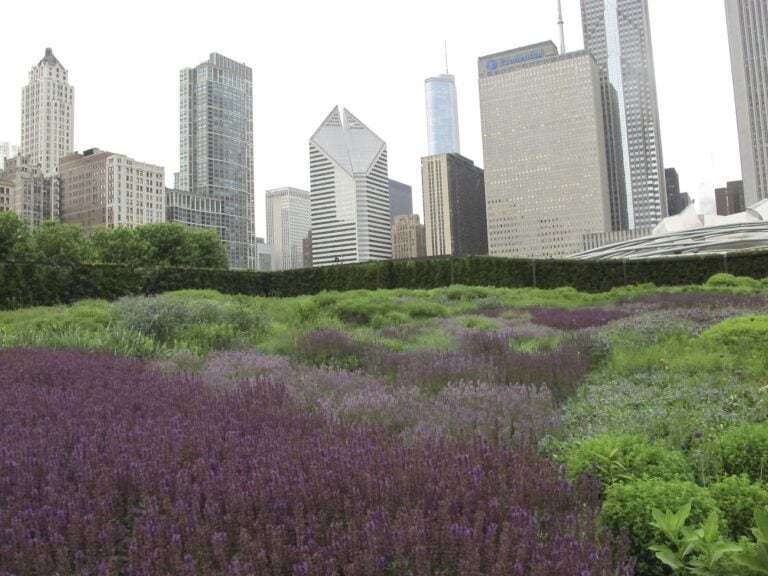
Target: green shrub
x=741 y=450
x=731 y=281
x=628 y=510
x=624 y=458
x=740 y=333
x=737 y=497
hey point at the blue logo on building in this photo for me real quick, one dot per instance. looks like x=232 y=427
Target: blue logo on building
x=491 y=65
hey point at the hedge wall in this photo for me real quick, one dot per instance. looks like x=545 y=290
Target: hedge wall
x=25 y=284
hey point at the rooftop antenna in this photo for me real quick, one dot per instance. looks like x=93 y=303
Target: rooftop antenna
x=446 y=56
x=561 y=24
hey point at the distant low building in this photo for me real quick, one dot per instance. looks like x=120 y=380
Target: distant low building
x=288 y=224
x=264 y=253
x=730 y=200
x=24 y=189
x=409 y=238
x=104 y=189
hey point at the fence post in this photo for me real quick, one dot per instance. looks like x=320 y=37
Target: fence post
x=533 y=262
x=725 y=262
x=624 y=263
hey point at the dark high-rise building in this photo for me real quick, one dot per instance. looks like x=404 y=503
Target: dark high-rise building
x=747 y=33
x=676 y=202
x=618 y=34
x=730 y=200
x=454 y=206
x=400 y=200
x=217 y=154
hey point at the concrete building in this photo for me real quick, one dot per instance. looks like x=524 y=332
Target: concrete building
x=47 y=115
x=747 y=31
x=442 y=115
x=349 y=193
x=307 y=245
x=289 y=220
x=618 y=34
x=7 y=150
x=400 y=200
x=216 y=146
x=195 y=210
x=24 y=189
x=104 y=189
x=676 y=200
x=730 y=200
x=546 y=176
x=264 y=254
x=409 y=238
x=454 y=206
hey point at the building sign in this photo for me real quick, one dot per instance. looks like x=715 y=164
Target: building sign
x=496 y=63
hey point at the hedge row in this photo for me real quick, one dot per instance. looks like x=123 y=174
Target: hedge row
x=24 y=284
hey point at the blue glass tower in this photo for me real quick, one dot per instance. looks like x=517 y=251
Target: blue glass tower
x=442 y=115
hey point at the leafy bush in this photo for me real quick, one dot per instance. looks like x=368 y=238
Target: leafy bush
x=737 y=497
x=741 y=450
x=741 y=333
x=628 y=510
x=624 y=458
x=731 y=281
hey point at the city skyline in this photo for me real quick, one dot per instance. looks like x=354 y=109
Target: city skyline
x=382 y=80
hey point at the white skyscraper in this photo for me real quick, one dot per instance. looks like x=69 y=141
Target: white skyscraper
x=47 y=115
x=747 y=32
x=288 y=225
x=442 y=115
x=349 y=192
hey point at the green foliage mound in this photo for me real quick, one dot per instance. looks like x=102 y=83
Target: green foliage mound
x=743 y=283
x=628 y=508
x=738 y=497
x=741 y=450
x=625 y=458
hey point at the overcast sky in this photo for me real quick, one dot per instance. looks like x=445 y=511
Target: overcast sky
x=370 y=57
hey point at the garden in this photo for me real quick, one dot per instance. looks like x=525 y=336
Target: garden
x=453 y=431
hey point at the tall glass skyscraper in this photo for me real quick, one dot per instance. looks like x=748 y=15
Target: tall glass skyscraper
x=442 y=115
x=217 y=151
x=747 y=32
x=349 y=194
x=618 y=34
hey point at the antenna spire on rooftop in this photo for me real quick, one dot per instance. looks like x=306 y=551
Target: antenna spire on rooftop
x=446 y=56
x=561 y=24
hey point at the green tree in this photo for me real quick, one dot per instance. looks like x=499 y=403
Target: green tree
x=174 y=245
x=62 y=244
x=13 y=235
x=121 y=246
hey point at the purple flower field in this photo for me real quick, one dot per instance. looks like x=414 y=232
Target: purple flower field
x=108 y=467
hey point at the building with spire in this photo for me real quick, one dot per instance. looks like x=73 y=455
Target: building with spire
x=442 y=114
x=747 y=29
x=216 y=144
x=349 y=194
x=47 y=115
x=618 y=34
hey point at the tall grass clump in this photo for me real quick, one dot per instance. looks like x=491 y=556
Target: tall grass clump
x=108 y=468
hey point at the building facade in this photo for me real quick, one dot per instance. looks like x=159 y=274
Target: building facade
x=289 y=220
x=618 y=34
x=442 y=115
x=47 y=115
x=400 y=200
x=730 y=200
x=546 y=177
x=409 y=238
x=7 y=150
x=216 y=144
x=24 y=189
x=747 y=31
x=349 y=194
x=454 y=206
x=675 y=199
x=264 y=255
x=103 y=189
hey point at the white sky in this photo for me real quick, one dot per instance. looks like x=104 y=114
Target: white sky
x=370 y=57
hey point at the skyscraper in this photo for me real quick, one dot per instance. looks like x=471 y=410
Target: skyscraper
x=217 y=151
x=454 y=206
x=747 y=31
x=288 y=224
x=442 y=115
x=546 y=182
x=408 y=237
x=618 y=34
x=400 y=200
x=349 y=193
x=47 y=115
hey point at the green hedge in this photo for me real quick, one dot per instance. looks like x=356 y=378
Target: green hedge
x=24 y=284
